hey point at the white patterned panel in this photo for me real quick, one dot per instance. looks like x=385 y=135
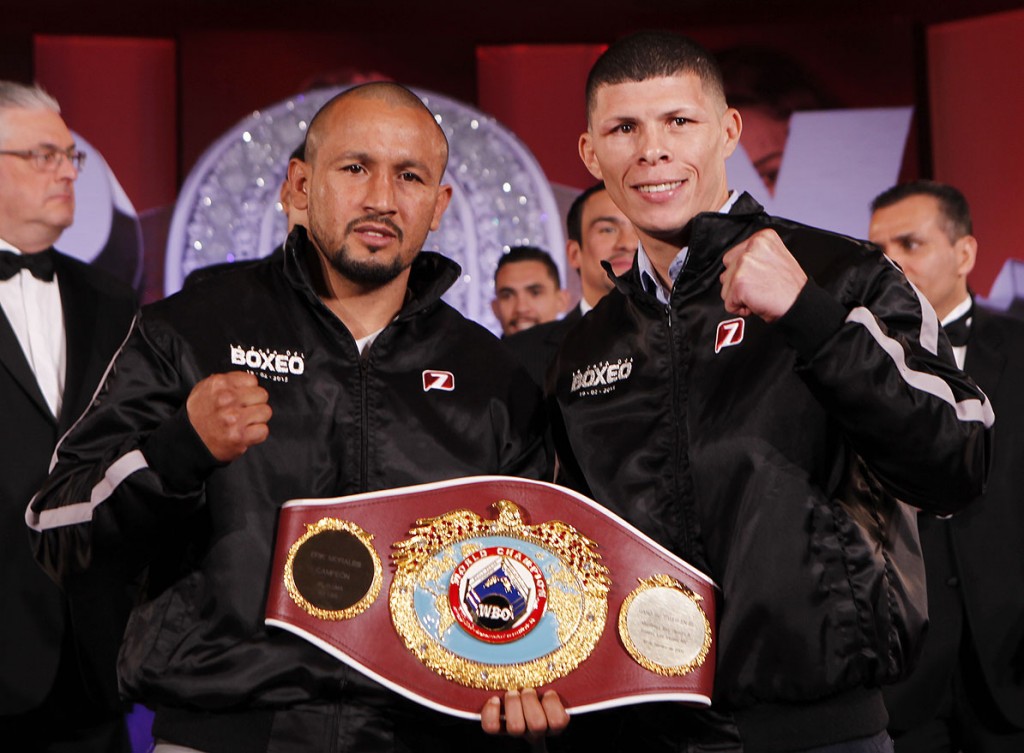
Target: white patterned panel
x=228 y=209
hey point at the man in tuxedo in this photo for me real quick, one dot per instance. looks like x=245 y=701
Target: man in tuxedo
x=967 y=693
x=598 y=232
x=60 y=323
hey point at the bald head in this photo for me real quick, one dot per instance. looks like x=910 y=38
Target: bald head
x=386 y=92
x=371 y=184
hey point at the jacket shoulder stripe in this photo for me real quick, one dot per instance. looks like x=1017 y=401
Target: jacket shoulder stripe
x=966 y=410
x=81 y=512
x=929 y=335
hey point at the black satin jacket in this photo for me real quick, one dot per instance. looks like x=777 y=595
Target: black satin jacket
x=134 y=486
x=772 y=455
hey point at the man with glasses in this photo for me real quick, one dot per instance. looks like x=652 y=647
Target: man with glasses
x=60 y=323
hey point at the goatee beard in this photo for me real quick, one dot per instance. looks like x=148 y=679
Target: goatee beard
x=369 y=273
x=364 y=272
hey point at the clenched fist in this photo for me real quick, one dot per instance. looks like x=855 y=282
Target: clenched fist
x=229 y=413
x=761 y=277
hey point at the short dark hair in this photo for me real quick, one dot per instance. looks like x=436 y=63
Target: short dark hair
x=653 y=54
x=574 y=219
x=298 y=152
x=529 y=253
x=956 y=213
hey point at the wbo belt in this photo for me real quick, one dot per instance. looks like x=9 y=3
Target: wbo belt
x=451 y=592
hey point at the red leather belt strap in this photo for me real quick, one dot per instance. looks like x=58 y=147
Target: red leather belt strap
x=450 y=592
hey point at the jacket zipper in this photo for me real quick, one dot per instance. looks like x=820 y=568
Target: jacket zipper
x=678 y=471
x=364 y=441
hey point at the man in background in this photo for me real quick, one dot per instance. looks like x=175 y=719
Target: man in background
x=598 y=232
x=967 y=691
x=527 y=290
x=60 y=323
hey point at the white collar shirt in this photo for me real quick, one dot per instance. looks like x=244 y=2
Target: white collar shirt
x=959 y=351
x=649 y=277
x=33 y=309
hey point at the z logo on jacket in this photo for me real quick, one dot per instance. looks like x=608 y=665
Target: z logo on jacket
x=730 y=332
x=438 y=380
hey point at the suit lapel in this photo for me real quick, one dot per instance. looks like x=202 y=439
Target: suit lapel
x=79 y=303
x=985 y=360
x=12 y=358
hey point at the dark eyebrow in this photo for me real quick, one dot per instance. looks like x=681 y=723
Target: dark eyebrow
x=613 y=220
x=357 y=156
x=613 y=121
x=415 y=165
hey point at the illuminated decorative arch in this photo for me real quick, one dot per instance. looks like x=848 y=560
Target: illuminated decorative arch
x=228 y=209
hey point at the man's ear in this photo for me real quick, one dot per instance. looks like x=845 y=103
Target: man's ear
x=588 y=156
x=966 y=254
x=298 y=182
x=563 y=296
x=572 y=254
x=732 y=127
x=444 y=197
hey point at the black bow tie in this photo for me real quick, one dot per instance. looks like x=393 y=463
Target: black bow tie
x=39 y=264
x=959 y=330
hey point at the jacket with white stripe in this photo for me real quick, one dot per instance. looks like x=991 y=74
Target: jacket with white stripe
x=434 y=397
x=772 y=456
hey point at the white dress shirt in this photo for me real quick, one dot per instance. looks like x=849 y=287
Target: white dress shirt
x=34 y=311
x=959 y=352
x=649 y=277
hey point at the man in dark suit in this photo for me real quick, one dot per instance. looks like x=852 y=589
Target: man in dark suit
x=60 y=323
x=598 y=231
x=967 y=692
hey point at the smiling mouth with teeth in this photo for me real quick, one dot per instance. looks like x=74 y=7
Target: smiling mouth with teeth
x=659 y=187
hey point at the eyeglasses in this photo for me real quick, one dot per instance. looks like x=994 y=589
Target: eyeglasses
x=49 y=160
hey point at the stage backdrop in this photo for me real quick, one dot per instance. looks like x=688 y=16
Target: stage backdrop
x=152 y=106
x=977 y=108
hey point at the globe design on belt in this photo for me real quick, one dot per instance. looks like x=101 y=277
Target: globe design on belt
x=498 y=604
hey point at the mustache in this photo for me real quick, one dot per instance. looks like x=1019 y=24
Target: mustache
x=376 y=219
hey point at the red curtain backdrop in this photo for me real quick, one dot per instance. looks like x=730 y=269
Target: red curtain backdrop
x=537 y=92
x=121 y=95
x=976 y=111
x=226 y=75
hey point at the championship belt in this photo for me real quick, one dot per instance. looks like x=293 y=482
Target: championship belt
x=452 y=592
